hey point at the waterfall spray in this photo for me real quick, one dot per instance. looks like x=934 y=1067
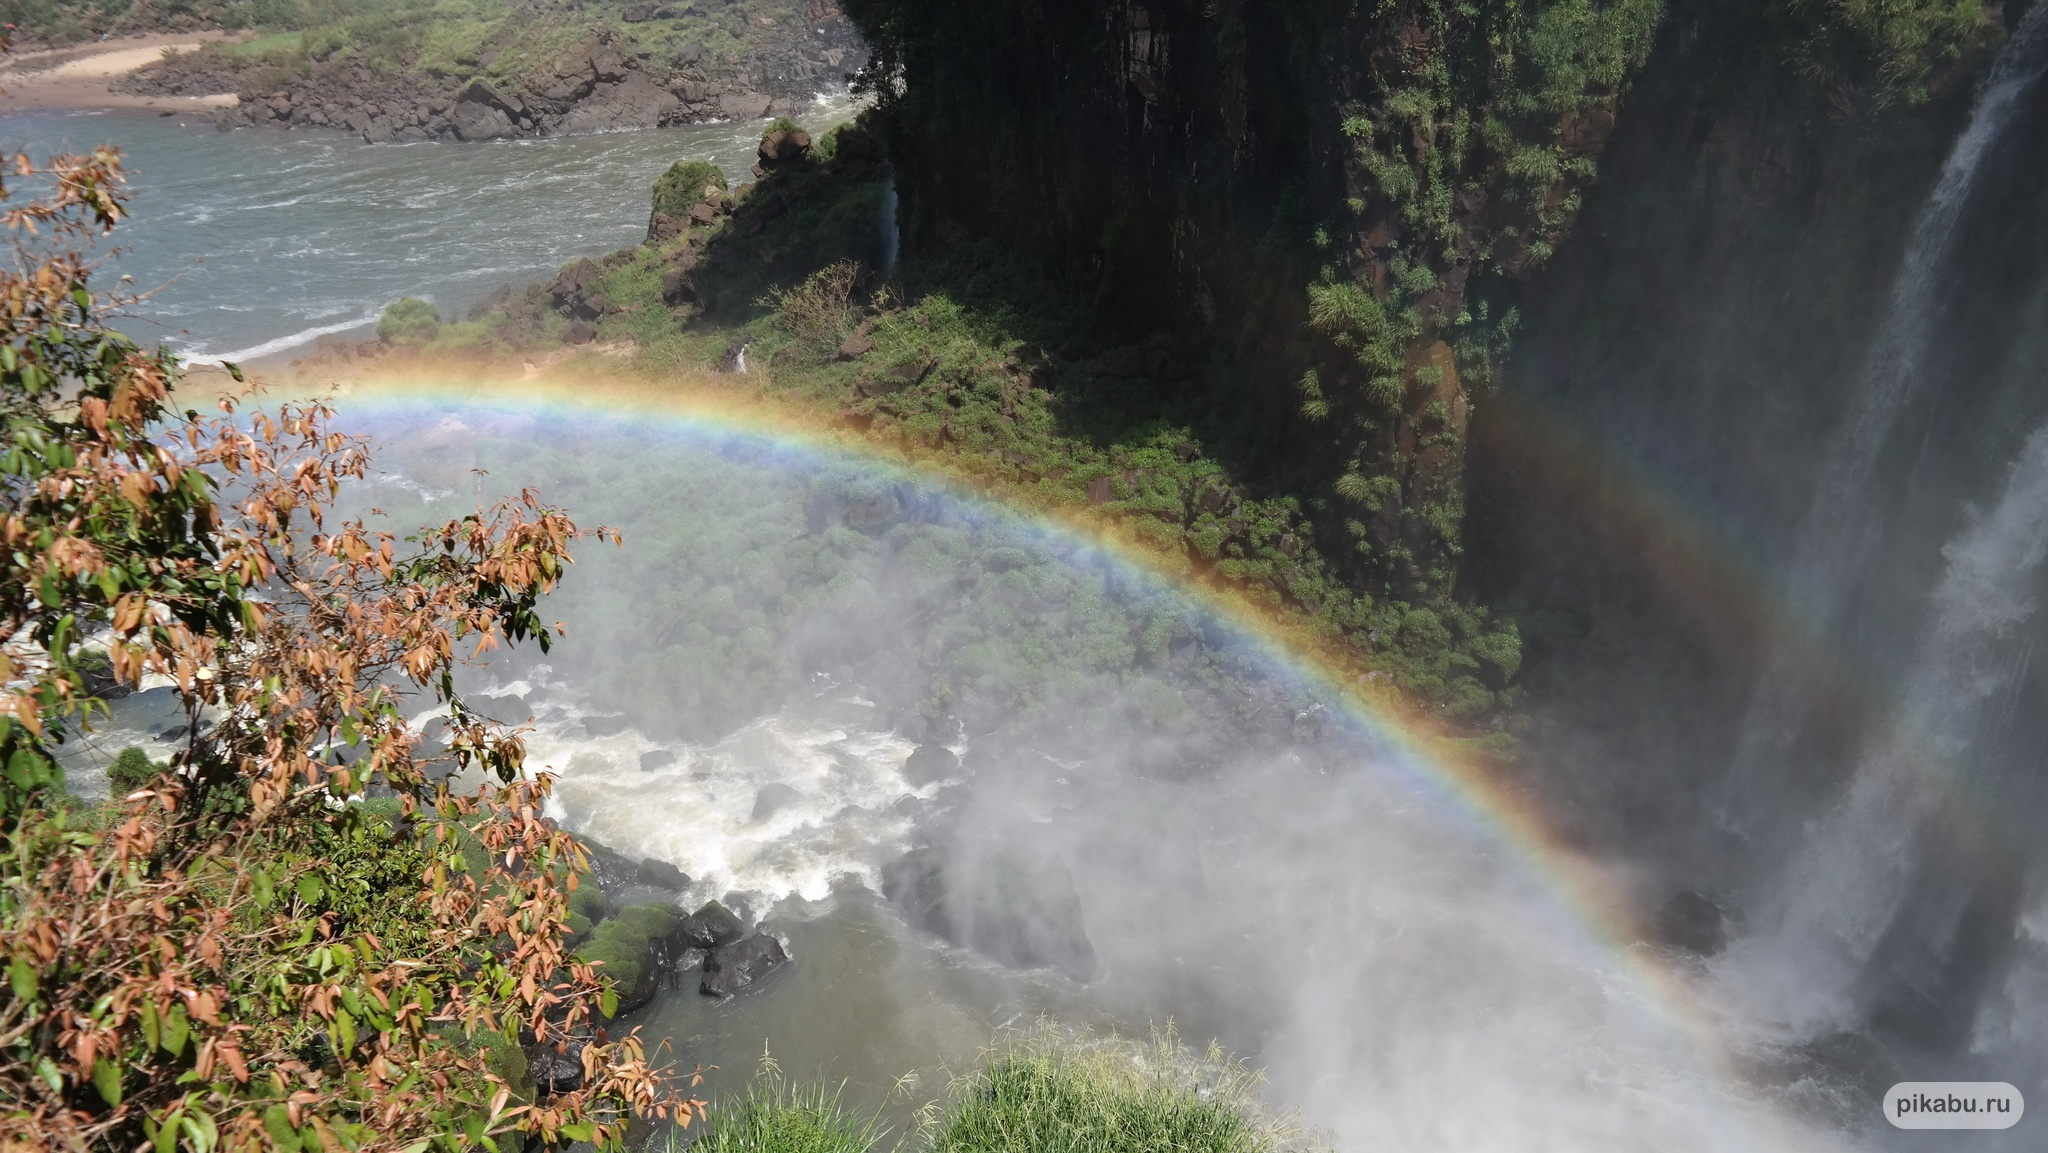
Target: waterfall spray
x=1840 y=530
x=1854 y=869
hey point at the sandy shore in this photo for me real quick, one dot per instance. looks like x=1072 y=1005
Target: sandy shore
x=79 y=77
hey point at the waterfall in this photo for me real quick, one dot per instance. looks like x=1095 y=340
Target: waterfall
x=892 y=233
x=1852 y=874
x=1840 y=526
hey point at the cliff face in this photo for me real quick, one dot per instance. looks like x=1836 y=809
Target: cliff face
x=1324 y=194
x=1335 y=200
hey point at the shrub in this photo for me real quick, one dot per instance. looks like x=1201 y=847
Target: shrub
x=131 y=770
x=817 y=310
x=409 y=321
x=683 y=185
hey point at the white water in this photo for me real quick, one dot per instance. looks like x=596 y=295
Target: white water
x=1853 y=869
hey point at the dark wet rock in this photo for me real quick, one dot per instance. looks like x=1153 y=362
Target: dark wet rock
x=711 y=926
x=931 y=762
x=1693 y=922
x=663 y=875
x=773 y=798
x=612 y=870
x=637 y=946
x=677 y=287
x=1016 y=907
x=579 y=332
x=730 y=969
x=657 y=759
x=556 y=1066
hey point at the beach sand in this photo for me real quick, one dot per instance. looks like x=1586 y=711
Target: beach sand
x=79 y=78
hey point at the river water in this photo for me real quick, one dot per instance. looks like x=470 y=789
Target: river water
x=1249 y=865
x=254 y=242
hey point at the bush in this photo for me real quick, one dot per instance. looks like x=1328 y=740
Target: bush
x=683 y=185
x=409 y=321
x=131 y=770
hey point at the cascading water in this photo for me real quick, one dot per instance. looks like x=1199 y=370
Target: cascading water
x=1841 y=524
x=1823 y=962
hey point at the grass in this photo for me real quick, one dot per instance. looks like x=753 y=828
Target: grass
x=1050 y=1095
x=1048 y=1092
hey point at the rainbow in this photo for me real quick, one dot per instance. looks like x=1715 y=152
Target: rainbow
x=1587 y=900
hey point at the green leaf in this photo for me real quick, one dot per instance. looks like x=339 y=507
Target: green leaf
x=277 y=1121
x=22 y=976
x=345 y=1030
x=266 y=889
x=310 y=888
x=106 y=1077
x=608 y=1002
x=152 y=1034
x=177 y=1028
x=47 y=1070
x=580 y=1131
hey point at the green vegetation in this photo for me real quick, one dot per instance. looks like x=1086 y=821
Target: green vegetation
x=682 y=187
x=131 y=770
x=773 y=1117
x=409 y=321
x=1043 y=1093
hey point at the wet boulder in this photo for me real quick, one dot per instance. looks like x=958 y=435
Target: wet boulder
x=475 y=121
x=783 y=145
x=662 y=875
x=929 y=763
x=710 y=927
x=1692 y=922
x=730 y=969
x=636 y=946
x=1017 y=907
x=579 y=332
x=557 y=1066
x=657 y=759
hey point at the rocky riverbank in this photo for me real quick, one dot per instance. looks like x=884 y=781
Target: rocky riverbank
x=664 y=66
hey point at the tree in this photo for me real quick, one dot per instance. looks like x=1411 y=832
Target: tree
x=241 y=953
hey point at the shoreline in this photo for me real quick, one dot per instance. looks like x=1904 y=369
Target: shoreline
x=80 y=79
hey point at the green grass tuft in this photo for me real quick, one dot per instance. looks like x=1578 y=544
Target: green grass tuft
x=1054 y=1095
x=776 y=1118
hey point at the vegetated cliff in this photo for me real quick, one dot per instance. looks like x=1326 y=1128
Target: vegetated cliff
x=485 y=69
x=1329 y=205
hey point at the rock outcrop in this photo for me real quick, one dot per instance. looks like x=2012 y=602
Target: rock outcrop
x=734 y=968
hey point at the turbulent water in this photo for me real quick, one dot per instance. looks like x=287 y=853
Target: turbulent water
x=255 y=242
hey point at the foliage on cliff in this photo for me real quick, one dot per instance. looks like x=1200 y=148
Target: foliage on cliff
x=235 y=955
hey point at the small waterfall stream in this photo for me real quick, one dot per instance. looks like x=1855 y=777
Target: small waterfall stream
x=1841 y=524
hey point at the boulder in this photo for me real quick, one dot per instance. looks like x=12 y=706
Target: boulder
x=474 y=121
x=676 y=287
x=1694 y=923
x=744 y=105
x=628 y=102
x=730 y=969
x=556 y=1067
x=782 y=146
x=579 y=332
x=703 y=213
x=638 y=14
x=481 y=91
x=657 y=759
x=772 y=799
x=710 y=927
x=929 y=763
x=608 y=64
x=1017 y=907
x=856 y=346
x=662 y=875
x=574 y=278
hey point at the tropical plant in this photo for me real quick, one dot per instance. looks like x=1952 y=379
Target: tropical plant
x=409 y=321
x=234 y=955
